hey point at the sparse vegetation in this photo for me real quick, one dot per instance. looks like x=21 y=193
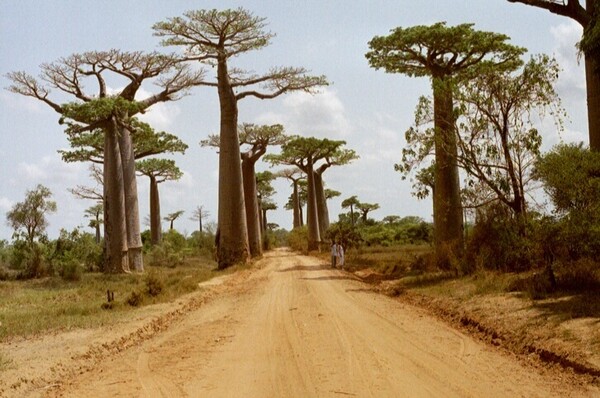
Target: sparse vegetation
x=49 y=304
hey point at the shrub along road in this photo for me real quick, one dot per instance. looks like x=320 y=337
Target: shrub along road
x=294 y=328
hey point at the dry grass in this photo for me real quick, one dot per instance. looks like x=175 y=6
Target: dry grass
x=52 y=304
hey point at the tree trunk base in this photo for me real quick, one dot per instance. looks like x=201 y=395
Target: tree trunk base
x=227 y=258
x=136 y=259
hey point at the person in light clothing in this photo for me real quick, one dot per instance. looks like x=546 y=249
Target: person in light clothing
x=340 y=255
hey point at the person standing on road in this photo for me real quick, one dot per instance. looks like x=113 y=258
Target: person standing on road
x=340 y=255
x=334 y=253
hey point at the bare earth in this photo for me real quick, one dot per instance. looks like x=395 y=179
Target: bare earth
x=292 y=328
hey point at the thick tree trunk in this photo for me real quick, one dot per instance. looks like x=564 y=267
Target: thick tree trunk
x=448 y=220
x=97 y=228
x=252 y=211
x=115 y=229
x=297 y=221
x=233 y=233
x=134 y=237
x=155 y=227
x=322 y=211
x=312 y=220
x=592 y=78
x=301 y=211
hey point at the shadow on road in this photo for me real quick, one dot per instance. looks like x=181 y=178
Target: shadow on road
x=315 y=267
x=331 y=278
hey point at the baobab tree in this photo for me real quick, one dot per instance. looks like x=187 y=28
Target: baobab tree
x=95 y=214
x=337 y=157
x=305 y=153
x=88 y=146
x=214 y=37
x=352 y=202
x=158 y=171
x=365 y=209
x=294 y=175
x=587 y=17
x=255 y=139
x=199 y=214
x=171 y=217
x=265 y=191
x=111 y=113
x=447 y=55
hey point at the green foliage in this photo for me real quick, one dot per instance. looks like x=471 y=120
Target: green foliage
x=171 y=252
x=571 y=177
x=499 y=242
x=406 y=230
x=28 y=218
x=298 y=239
x=97 y=110
x=345 y=234
x=201 y=243
x=437 y=49
x=79 y=247
x=159 y=169
x=89 y=145
x=31 y=260
x=70 y=270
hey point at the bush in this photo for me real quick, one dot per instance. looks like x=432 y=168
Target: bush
x=345 y=234
x=583 y=274
x=298 y=239
x=499 y=242
x=135 y=298
x=154 y=284
x=171 y=252
x=70 y=270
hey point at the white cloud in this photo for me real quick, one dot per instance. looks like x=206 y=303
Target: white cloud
x=571 y=82
x=5 y=204
x=320 y=115
x=50 y=170
x=20 y=102
x=161 y=116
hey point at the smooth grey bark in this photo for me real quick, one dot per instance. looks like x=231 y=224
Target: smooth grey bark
x=130 y=192
x=155 y=219
x=447 y=206
x=251 y=205
x=323 y=212
x=115 y=235
x=312 y=220
x=233 y=236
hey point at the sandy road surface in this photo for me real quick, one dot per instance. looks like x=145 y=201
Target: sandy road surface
x=297 y=329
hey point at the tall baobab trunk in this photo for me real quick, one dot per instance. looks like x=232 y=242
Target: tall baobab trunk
x=297 y=221
x=155 y=220
x=97 y=228
x=251 y=204
x=592 y=78
x=447 y=213
x=312 y=221
x=322 y=211
x=132 y=215
x=233 y=236
x=115 y=229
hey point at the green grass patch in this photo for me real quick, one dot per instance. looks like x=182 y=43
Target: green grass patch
x=52 y=304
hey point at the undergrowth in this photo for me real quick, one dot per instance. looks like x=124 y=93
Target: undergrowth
x=53 y=303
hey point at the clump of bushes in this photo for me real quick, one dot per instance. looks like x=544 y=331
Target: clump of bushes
x=298 y=239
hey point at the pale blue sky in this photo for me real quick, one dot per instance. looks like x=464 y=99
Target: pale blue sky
x=367 y=108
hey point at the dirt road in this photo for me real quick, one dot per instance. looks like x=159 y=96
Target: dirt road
x=297 y=329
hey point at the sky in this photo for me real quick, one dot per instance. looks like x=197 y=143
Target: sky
x=369 y=109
